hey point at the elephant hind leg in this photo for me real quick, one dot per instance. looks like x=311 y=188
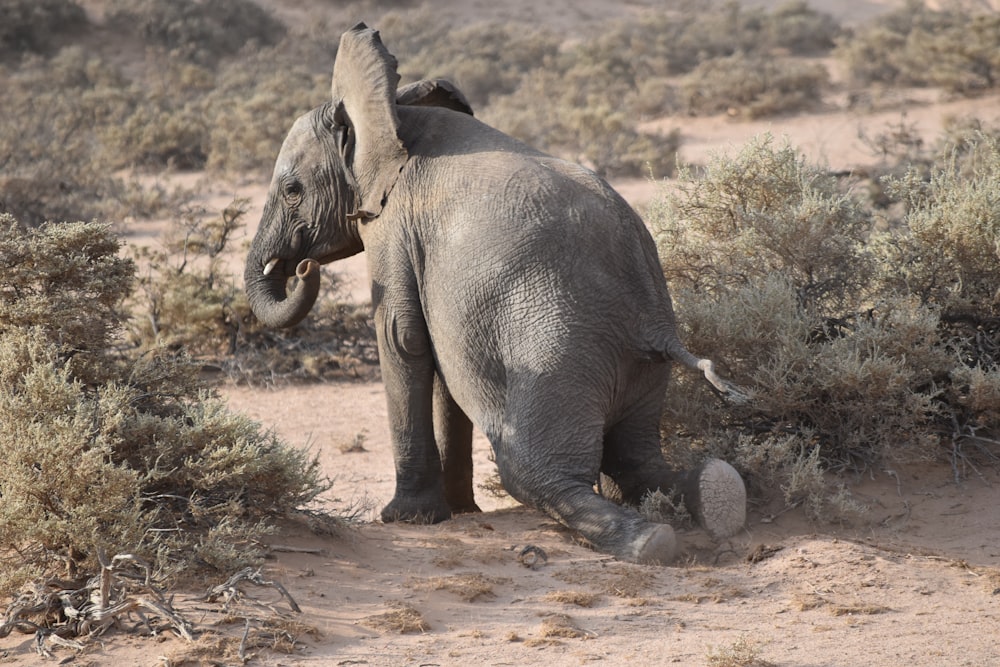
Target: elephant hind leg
x=453 y=434
x=611 y=528
x=568 y=496
x=713 y=492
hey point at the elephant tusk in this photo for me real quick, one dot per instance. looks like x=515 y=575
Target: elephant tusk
x=270 y=266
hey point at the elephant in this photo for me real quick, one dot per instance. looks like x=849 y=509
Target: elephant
x=510 y=290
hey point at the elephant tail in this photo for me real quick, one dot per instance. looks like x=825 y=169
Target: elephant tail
x=664 y=345
x=731 y=392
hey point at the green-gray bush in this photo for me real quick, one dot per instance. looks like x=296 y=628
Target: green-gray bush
x=33 y=25
x=256 y=98
x=949 y=252
x=188 y=299
x=484 y=59
x=589 y=128
x=51 y=165
x=102 y=452
x=849 y=362
x=915 y=45
x=200 y=31
x=753 y=87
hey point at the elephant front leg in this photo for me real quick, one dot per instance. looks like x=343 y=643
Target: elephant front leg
x=453 y=433
x=408 y=375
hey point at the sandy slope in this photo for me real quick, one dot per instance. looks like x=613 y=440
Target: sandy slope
x=916 y=583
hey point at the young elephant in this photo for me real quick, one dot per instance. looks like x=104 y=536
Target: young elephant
x=511 y=290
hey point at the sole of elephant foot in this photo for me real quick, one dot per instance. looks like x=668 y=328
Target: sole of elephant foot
x=657 y=546
x=721 y=506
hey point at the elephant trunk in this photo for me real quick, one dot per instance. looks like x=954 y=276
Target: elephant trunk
x=269 y=300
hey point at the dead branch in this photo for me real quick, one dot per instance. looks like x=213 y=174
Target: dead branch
x=57 y=610
x=229 y=590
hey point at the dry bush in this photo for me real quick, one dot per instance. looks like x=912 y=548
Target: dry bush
x=107 y=453
x=484 y=60
x=765 y=212
x=582 y=102
x=36 y=25
x=773 y=272
x=257 y=96
x=200 y=31
x=84 y=119
x=676 y=39
x=166 y=124
x=948 y=254
x=753 y=87
x=188 y=298
x=220 y=81
x=50 y=168
x=569 y=113
x=956 y=49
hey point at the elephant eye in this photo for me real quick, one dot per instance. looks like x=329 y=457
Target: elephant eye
x=293 y=192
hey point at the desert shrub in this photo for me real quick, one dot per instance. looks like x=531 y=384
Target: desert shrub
x=588 y=128
x=798 y=28
x=943 y=254
x=50 y=162
x=166 y=123
x=107 y=453
x=49 y=276
x=948 y=253
x=676 y=40
x=484 y=59
x=753 y=87
x=772 y=272
x=188 y=298
x=766 y=212
x=256 y=98
x=198 y=31
x=33 y=25
x=914 y=45
x=583 y=100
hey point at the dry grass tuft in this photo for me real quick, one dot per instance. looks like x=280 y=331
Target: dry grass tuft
x=744 y=652
x=555 y=627
x=622 y=580
x=858 y=609
x=468 y=587
x=578 y=598
x=402 y=620
x=811 y=601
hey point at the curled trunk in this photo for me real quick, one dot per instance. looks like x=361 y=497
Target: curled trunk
x=270 y=301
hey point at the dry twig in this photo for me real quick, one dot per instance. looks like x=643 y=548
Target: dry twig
x=229 y=591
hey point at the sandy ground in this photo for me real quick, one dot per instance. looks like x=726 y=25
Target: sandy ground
x=916 y=582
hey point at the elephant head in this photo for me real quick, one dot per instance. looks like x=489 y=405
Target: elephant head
x=335 y=171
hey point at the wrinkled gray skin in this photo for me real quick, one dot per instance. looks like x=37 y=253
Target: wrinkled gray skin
x=511 y=290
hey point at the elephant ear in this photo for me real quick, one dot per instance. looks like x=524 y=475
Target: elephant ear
x=434 y=93
x=364 y=98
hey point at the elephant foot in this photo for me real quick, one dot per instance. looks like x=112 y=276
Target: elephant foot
x=415 y=510
x=655 y=546
x=718 y=500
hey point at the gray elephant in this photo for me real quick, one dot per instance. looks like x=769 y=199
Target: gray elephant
x=511 y=290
